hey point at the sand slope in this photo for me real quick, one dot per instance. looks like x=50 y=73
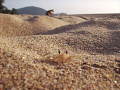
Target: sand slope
x=13 y=25
x=72 y=19
x=94 y=44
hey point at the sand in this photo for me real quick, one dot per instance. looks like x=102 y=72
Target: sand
x=29 y=52
x=22 y=25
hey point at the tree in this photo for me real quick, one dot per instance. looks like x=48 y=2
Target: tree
x=1 y=6
x=1 y=1
x=4 y=9
x=14 y=11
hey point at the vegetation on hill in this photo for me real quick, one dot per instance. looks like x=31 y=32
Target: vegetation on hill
x=26 y=10
x=32 y=10
x=4 y=9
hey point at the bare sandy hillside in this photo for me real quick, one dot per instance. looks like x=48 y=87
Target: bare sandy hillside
x=30 y=59
x=21 y=25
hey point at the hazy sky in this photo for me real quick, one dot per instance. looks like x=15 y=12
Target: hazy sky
x=69 y=6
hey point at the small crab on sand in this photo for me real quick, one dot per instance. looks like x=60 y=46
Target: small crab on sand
x=63 y=57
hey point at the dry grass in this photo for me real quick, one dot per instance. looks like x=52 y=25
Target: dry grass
x=30 y=61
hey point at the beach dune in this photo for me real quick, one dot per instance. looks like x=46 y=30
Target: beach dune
x=29 y=55
x=22 y=25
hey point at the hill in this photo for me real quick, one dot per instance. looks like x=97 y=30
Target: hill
x=34 y=11
x=31 y=10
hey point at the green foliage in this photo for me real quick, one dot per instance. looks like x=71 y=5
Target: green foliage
x=1 y=6
x=14 y=11
x=1 y=1
x=4 y=9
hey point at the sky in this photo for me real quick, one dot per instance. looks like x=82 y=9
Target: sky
x=69 y=6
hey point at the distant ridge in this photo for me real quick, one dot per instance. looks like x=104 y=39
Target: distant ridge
x=32 y=10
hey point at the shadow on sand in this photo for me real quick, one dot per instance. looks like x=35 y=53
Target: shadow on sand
x=111 y=47
x=68 y=28
x=105 y=24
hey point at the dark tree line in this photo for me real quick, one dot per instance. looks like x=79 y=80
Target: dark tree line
x=4 y=9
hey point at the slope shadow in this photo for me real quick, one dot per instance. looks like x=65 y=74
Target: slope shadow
x=109 y=25
x=110 y=47
x=65 y=28
x=53 y=63
x=117 y=68
x=114 y=42
x=98 y=66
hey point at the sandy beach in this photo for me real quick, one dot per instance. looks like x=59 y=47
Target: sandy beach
x=29 y=47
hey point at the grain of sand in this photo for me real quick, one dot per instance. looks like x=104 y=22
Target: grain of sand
x=28 y=42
